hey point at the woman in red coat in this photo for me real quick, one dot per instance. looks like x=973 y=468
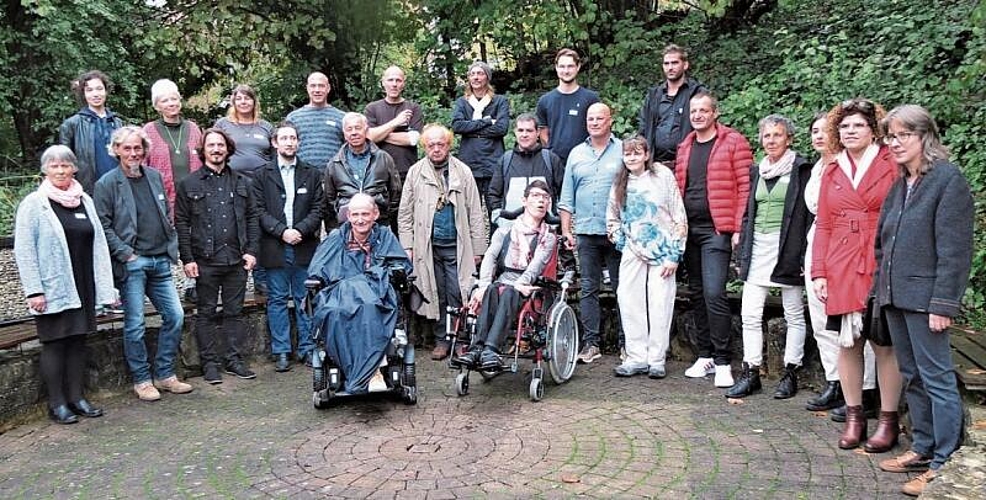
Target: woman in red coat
x=854 y=186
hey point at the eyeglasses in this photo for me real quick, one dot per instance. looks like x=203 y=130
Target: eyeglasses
x=538 y=195
x=901 y=137
x=855 y=126
x=860 y=104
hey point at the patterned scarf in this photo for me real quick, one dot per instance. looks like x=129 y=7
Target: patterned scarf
x=68 y=198
x=783 y=166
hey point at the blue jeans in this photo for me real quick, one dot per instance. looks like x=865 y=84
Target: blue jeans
x=595 y=251
x=707 y=260
x=284 y=283
x=925 y=361
x=151 y=276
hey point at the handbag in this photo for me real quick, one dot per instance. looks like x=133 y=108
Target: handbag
x=875 y=327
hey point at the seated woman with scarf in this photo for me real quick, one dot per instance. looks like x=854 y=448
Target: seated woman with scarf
x=517 y=256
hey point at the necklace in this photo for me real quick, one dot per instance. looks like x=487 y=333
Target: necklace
x=171 y=139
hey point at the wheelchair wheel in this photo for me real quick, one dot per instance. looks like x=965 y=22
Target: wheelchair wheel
x=318 y=401
x=462 y=384
x=537 y=389
x=563 y=342
x=318 y=379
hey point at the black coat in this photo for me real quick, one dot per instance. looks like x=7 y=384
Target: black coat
x=790 y=268
x=481 y=145
x=924 y=246
x=268 y=189
x=193 y=218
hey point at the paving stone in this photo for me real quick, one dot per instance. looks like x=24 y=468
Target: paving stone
x=596 y=436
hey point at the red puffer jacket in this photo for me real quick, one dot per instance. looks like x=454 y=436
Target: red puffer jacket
x=728 y=177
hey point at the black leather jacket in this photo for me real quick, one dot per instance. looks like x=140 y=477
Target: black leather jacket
x=382 y=182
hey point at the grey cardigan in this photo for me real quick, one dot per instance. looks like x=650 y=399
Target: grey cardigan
x=924 y=245
x=117 y=210
x=43 y=260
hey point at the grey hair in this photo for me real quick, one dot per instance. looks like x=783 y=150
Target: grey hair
x=916 y=119
x=123 y=133
x=775 y=119
x=350 y=116
x=58 y=152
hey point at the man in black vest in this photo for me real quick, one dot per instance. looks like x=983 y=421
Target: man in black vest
x=289 y=203
x=664 y=116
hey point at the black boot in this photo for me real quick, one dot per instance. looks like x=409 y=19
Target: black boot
x=788 y=385
x=748 y=383
x=871 y=406
x=830 y=398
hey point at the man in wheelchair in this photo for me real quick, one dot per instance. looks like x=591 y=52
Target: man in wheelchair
x=357 y=310
x=516 y=257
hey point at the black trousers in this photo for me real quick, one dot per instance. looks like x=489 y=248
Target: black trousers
x=501 y=303
x=230 y=281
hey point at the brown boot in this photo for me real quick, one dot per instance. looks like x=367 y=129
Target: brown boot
x=885 y=437
x=855 y=429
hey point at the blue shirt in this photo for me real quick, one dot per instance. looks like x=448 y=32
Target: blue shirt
x=319 y=134
x=588 y=179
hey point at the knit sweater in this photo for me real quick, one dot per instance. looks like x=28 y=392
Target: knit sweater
x=652 y=223
x=159 y=157
x=319 y=134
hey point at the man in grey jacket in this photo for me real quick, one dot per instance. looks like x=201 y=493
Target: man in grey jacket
x=133 y=209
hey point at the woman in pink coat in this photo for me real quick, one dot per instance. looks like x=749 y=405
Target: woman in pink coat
x=853 y=188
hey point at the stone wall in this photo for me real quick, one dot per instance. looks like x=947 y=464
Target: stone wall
x=12 y=304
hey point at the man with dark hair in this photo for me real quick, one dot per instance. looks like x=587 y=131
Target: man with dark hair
x=712 y=168
x=216 y=220
x=517 y=256
x=527 y=162
x=289 y=209
x=561 y=113
x=664 y=117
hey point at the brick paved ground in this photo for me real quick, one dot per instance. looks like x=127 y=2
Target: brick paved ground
x=596 y=436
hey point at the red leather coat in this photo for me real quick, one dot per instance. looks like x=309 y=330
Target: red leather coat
x=727 y=177
x=845 y=232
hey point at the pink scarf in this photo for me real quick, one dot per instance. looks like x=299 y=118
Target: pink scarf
x=68 y=198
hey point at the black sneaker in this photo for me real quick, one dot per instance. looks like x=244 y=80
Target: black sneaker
x=469 y=359
x=211 y=374
x=489 y=360
x=240 y=370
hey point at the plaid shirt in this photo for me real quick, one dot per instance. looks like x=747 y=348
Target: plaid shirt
x=354 y=245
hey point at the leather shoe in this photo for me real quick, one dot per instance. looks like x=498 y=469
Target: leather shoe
x=829 y=399
x=469 y=359
x=787 y=387
x=62 y=415
x=84 y=409
x=282 y=363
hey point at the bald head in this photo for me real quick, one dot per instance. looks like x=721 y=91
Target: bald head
x=393 y=84
x=362 y=213
x=318 y=89
x=599 y=122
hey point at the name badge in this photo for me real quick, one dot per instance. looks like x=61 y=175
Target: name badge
x=303 y=190
x=573 y=112
x=160 y=196
x=330 y=123
x=259 y=136
x=80 y=216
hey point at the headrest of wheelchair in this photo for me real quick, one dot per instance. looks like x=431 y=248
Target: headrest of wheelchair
x=549 y=218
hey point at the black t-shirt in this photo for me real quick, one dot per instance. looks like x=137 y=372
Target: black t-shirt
x=152 y=237
x=380 y=112
x=696 y=188
x=564 y=116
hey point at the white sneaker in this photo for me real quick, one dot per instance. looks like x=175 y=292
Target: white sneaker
x=377 y=383
x=724 y=376
x=701 y=368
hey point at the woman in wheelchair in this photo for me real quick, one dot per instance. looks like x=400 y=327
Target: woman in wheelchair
x=516 y=257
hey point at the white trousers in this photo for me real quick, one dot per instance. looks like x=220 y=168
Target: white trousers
x=752 y=312
x=646 y=308
x=828 y=340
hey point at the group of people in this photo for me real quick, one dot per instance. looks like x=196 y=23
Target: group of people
x=878 y=229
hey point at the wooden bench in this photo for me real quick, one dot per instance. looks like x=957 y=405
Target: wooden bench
x=969 y=356
x=16 y=332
